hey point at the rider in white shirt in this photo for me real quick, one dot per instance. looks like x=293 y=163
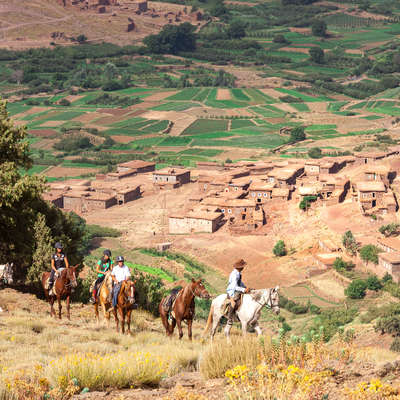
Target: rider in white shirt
x=119 y=274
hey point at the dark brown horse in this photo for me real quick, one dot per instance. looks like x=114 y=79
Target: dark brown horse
x=62 y=288
x=125 y=305
x=183 y=308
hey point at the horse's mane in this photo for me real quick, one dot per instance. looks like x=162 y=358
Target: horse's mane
x=257 y=294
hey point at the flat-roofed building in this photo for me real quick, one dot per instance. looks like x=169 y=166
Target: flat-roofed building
x=389 y=244
x=389 y=263
x=173 y=177
x=370 y=193
x=261 y=192
x=195 y=222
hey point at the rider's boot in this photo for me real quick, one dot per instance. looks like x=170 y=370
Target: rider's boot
x=93 y=298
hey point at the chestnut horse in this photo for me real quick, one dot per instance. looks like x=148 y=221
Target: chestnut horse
x=183 y=308
x=125 y=305
x=62 y=288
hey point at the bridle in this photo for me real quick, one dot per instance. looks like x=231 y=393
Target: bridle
x=269 y=303
x=193 y=293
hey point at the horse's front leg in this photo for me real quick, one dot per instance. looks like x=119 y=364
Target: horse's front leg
x=244 y=328
x=179 y=325
x=59 y=306
x=258 y=329
x=116 y=319
x=122 y=313
x=68 y=308
x=189 y=323
x=227 y=331
x=128 y=320
x=52 y=311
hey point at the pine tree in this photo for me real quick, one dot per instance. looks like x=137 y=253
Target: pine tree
x=43 y=250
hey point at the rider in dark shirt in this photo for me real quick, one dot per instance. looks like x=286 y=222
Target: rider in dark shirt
x=58 y=260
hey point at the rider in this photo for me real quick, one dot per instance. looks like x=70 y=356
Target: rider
x=235 y=288
x=119 y=274
x=58 y=260
x=104 y=265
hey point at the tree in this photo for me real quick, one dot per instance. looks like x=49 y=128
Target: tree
x=279 y=38
x=341 y=265
x=172 y=39
x=349 y=242
x=81 y=39
x=356 y=289
x=305 y=202
x=297 y=134
x=316 y=55
x=280 y=249
x=370 y=252
x=315 y=152
x=110 y=71
x=236 y=29
x=19 y=192
x=43 y=250
x=373 y=283
x=318 y=28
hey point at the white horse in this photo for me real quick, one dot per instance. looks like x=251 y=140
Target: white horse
x=249 y=311
x=6 y=273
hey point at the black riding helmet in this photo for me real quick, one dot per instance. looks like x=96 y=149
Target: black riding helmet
x=107 y=253
x=120 y=258
x=58 y=245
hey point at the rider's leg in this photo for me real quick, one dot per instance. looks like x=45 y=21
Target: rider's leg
x=51 y=280
x=232 y=307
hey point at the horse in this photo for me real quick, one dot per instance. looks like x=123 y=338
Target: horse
x=104 y=299
x=248 y=312
x=62 y=288
x=7 y=273
x=183 y=308
x=125 y=305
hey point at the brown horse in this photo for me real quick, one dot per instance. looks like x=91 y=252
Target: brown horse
x=104 y=299
x=125 y=305
x=62 y=288
x=183 y=308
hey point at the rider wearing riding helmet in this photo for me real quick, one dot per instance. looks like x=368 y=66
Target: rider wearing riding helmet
x=58 y=260
x=104 y=265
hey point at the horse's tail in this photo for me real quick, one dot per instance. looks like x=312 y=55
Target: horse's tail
x=209 y=320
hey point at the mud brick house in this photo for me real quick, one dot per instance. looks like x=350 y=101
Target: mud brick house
x=139 y=6
x=389 y=263
x=239 y=184
x=55 y=197
x=261 y=168
x=326 y=260
x=312 y=168
x=369 y=157
x=389 y=245
x=285 y=177
x=88 y=201
x=379 y=173
x=369 y=194
x=261 y=192
x=136 y=166
x=280 y=194
x=213 y=183
x=323 y=166
x=173 y=177
x=128 y=194
x=195 y=222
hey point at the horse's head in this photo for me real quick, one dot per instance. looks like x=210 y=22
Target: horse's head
x=71 y=276
x=8 y=273
x=271 y=298
x=130 y=291
x=199 y=290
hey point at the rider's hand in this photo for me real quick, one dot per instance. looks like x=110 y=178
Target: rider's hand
x=247 y=290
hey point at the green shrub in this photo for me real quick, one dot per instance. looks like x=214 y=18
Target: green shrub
x=389 y=229
x=341 y=265
x=286 y=327
x=373 y=283
x=315 y=152
x=389 y=325
x=280 y=249
x=349 y=242
x=395 y=346
x=101 y=231
x=356 y=289
x=392 y=288
x=64 y=102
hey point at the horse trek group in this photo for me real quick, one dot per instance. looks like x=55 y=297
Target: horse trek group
x=115 y=292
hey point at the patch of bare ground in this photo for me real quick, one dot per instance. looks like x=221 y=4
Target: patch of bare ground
x=52 y=124
x=73 y=97
x=90 y=116
x=33 y=110
x=295 y=49
x=291 y=71
x=271 y=92
x=181 y=120
x=61 y=172
x=160 y=96
x=205 y=112
x=318 y=106
x=43 y=132
x=44 y=144
x=285 y=107
x=305 y=31
x=373 y=45
x=122 y=138
x=328 y=286
x=223 y=94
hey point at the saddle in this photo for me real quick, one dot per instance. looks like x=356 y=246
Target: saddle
x=56 y=276
x=226 y=304
x=169 y=301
